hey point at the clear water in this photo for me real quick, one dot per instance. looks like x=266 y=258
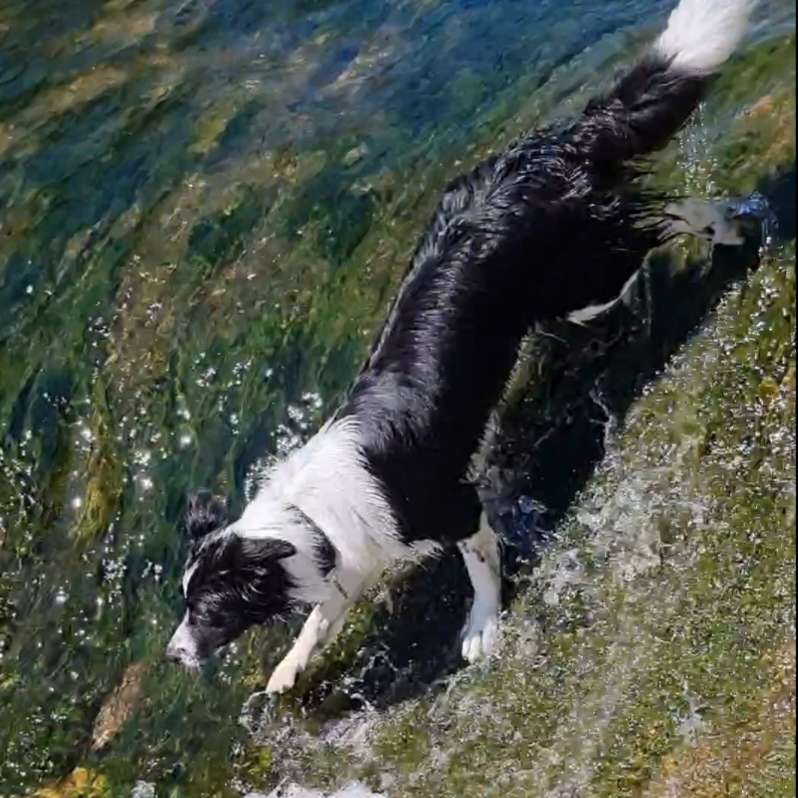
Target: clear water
x=206 y=207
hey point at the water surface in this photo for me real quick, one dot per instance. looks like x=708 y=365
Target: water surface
x=206 y=207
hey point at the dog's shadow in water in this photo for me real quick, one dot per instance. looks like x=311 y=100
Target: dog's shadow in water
x=551 y=439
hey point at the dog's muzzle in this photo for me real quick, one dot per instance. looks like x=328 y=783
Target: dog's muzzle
x=182 y=648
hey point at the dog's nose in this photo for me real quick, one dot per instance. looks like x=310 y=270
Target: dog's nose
x=182 y=648
x=187 y=657
x=177 y=653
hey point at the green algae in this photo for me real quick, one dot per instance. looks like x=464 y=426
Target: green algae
x=104 y=485
x=219 y=239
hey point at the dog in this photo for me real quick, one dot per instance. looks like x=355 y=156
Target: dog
x=555 y=226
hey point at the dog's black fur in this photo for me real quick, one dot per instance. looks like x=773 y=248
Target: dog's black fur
x=554 y=224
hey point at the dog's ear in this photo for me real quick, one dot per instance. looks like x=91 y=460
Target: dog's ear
x=267 y=549
x=205 y=513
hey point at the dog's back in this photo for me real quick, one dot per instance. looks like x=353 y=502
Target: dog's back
x=554 y=224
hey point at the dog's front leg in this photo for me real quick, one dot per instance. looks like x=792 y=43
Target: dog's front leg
x=321 y=627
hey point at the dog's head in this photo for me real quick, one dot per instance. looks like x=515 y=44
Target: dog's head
x=230 y=583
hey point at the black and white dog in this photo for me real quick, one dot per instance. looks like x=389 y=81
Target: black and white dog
x=554 y=225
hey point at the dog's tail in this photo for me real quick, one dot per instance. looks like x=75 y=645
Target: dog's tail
x=654 y=99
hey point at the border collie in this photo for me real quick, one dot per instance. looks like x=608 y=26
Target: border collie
x=554 y=225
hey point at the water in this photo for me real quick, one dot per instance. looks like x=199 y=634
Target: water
x=206 y=207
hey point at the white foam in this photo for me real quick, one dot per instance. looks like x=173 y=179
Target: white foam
x=354 y=790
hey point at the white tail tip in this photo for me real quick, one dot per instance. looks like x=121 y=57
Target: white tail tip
x=702 y=34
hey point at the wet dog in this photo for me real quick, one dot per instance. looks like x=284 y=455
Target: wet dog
x=553 y=227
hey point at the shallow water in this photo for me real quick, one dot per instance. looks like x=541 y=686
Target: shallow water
x=206 y=207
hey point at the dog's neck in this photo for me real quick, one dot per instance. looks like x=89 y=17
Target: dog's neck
x=324 y=552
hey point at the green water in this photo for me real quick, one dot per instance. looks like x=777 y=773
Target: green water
x=206 y=208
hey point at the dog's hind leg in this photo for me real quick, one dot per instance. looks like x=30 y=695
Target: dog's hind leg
x=483 y=563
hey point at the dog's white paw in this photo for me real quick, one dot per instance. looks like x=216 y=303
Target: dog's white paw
x=284 y=676
x=480 y=633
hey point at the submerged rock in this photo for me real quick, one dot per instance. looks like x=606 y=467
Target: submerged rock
x=81 y=783
x=355 y=155
x=118 y=707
